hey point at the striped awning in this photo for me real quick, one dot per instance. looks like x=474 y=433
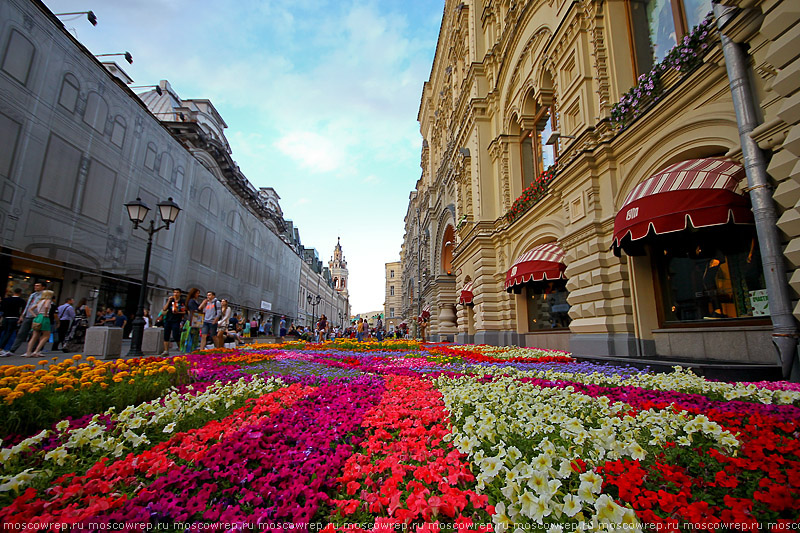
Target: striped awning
x=697 y=192
x=544 y=262
x=466 y=294
x=426 y=311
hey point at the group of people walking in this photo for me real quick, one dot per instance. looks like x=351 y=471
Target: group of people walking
x=33 y=320
x=192 y=323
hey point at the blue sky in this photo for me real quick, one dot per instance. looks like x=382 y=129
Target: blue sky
x=320 y=98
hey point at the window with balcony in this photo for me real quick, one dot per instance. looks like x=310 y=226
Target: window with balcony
x=537 y=156
x=658 y=25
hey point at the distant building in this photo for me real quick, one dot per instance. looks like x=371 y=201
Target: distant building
x=393 y=299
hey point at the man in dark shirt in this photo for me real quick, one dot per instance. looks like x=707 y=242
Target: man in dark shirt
x=175 y=310
x=11 y=306
x=66 y=314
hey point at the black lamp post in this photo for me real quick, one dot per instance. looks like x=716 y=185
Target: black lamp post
x=137 y=211
x=341 y=323
x=313 y=302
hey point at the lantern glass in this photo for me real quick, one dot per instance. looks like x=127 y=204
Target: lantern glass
x=169 y=211
x=137 y=210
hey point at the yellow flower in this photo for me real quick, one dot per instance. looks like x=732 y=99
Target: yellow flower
x=42 y=363
x=77 y=357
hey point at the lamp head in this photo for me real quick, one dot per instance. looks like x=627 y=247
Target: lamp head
x=169 y=211
x=137 y=211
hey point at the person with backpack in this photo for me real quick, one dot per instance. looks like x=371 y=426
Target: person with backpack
x=211 y=309
x=174 y=312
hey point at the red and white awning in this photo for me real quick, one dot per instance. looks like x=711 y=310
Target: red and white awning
x=426 y=311
x=544 y=262
x=697 y=192
x=466 y=294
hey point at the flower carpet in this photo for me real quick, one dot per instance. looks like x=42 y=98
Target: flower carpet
x=392 y=436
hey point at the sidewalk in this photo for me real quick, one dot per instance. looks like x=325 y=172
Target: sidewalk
x=17 y=360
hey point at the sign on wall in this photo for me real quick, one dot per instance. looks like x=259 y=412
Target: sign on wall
x=266 y=306
x=759 y=301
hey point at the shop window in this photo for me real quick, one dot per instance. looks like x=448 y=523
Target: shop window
x=709 y=275
x=391 y=290
x=547 y=305
x=658 y=25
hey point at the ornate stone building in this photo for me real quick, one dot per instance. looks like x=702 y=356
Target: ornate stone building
x=338 y=268
x=584 y=185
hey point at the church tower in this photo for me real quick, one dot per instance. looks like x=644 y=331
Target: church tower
x=338 y=267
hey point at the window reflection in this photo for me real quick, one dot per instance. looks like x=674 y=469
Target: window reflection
x=547 y=305
x=710 y=276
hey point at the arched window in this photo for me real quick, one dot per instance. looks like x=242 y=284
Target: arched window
x=235 y=221
x=96 y=112
x=150 y=157
x=537 y=156
x=18 y=57
x=208 y=201
x=70 y=88
x=179 y=176
x=448 y=242
x=165 y=170
x=118 y=133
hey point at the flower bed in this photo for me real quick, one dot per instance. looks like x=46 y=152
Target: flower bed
x=397 y=435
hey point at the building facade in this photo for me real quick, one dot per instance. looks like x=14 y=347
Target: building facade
x=584 y=185
x=321 y=292
x=393 y=299
x=76 y=144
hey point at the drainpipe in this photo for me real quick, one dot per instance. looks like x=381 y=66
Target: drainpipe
x=784 y=326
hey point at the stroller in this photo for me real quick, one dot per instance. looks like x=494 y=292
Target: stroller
x=76 y=335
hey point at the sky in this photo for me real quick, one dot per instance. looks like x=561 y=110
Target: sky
x=320 y=98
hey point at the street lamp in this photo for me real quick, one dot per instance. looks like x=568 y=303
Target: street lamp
x=341 y=322
x=313 y=302
x=137 y=212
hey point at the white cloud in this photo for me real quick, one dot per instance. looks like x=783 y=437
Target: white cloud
x=312 y=151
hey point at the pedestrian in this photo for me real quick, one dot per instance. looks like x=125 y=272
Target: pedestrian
x=146 y=317
x=109 y=318
x=222 y=323
x=82 y=310
x=423 y=328
x=322 y=326
x=190 y=332
x=11 y=307
x=26 y=318
x=210 y=308
x=66 y=314
x=175 y=311
x=379 y=329
x=120 y=320
x=41 y=325
x=360 y=331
